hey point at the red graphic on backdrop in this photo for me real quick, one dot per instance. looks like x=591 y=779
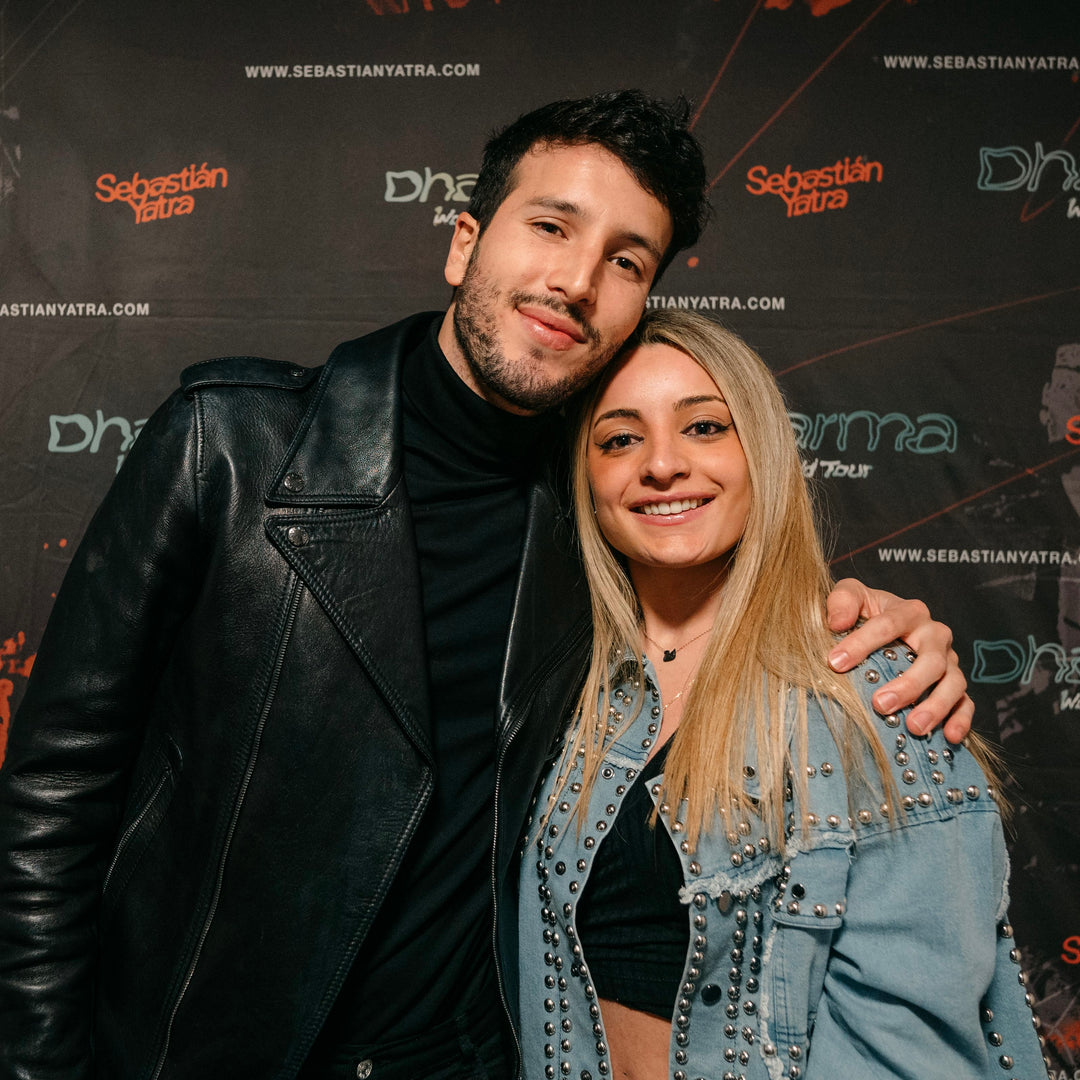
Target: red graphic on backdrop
x=160 y=197
x=814 y=190
x=1071 y=947
x=817 y=7
x=1066 y=1034
x=13 y=664
x=401 y=7
x=7 y=688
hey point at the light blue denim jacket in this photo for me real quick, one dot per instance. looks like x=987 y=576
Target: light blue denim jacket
x=868 y=952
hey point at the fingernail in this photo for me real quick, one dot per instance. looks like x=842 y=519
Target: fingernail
x=839 y=660
x=887 y=701
x=919 y=723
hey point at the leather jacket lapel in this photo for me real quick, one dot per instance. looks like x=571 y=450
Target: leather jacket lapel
x=545 y=663
x=551 y=608
x=344 y=523
x=347 y=449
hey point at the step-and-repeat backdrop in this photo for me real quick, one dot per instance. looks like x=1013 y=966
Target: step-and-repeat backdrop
x=896 y=187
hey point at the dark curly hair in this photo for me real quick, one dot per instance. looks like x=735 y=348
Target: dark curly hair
x=649 y=136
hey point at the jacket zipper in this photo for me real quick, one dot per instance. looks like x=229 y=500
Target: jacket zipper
x=130 y=831
x=495 y=905
x=290 y=619
x=520 y=1063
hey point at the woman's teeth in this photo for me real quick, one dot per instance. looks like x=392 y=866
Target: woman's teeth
x=680 y=506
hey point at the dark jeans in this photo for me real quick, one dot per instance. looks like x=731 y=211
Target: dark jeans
x=457 y=1049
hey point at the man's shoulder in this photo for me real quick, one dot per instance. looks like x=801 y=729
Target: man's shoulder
x=388 y=342
x=246 y=371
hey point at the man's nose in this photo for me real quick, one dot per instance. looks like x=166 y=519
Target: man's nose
x=573 y=275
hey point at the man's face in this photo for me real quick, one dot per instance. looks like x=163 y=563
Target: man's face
x=558 y=280
x=1060 y=402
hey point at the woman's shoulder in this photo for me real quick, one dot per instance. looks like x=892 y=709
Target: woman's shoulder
x=930 y=777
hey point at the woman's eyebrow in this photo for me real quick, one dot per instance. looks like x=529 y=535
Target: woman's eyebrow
x=617 y=414
x=698 y=399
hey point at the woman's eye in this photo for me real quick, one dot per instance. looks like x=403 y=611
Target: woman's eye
x=708 y=427
x=617 y=442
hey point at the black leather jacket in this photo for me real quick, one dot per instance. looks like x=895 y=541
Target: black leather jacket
x=224 y=746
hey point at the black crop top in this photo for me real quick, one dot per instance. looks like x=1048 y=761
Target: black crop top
x=632 y=926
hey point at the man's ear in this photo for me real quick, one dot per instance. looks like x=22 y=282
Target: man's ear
x=466 y=234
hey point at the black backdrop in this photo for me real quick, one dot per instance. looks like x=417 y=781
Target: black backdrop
x=897 y=196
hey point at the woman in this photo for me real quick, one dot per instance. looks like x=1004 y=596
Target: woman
x=737 y=868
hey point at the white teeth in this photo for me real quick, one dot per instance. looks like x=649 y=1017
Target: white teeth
x=680 y=506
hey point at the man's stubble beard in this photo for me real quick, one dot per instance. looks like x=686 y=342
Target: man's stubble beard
x=516 y=381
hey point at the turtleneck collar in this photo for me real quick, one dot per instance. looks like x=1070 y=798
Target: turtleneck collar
x=472 y=432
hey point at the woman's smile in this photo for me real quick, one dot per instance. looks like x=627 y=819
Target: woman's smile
x=669 y=479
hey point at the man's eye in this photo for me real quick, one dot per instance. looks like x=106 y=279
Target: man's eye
x=548 y=227
x=623 y=263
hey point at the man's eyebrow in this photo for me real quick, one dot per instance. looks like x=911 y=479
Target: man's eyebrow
x=643 y=242
x=564 y=206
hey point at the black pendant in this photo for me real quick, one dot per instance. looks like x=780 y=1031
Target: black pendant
x=669 y=654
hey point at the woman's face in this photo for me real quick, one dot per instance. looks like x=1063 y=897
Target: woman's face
x=669 y=478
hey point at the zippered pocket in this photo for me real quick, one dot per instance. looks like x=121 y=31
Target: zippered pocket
x=148 y=809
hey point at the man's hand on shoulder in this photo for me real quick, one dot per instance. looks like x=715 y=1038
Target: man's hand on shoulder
x=888 y=619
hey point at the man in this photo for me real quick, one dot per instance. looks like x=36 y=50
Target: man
x=1060 y=412
x=1039 y=606
x=261 y=804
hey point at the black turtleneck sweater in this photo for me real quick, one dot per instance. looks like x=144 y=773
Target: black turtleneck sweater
x=468 y=465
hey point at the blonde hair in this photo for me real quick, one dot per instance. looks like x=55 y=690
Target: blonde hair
x=769 y=637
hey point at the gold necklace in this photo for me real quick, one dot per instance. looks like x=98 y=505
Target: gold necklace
x=685 y=686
